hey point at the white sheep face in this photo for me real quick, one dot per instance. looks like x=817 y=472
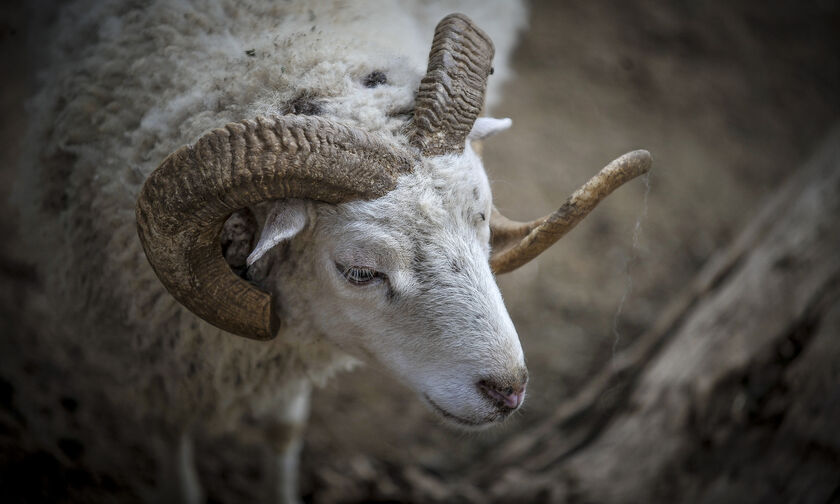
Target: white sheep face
x=404 y=281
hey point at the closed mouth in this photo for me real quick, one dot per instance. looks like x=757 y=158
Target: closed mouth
x=456 y=418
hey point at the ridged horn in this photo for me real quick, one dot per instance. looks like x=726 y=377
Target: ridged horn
x=515 y=243
x=186 y=200
x=451 y=94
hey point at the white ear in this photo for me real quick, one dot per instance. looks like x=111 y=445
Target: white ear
x=488 y=126
x=285 y=219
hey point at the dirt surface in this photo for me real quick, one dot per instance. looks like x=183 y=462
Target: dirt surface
x=729 y=98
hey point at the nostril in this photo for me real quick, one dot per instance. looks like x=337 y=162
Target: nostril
x=504 y=395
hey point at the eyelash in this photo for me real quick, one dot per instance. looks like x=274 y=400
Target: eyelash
x=359 y=275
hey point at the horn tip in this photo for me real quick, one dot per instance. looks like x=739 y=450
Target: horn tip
x=640 y=161
x=270 y=322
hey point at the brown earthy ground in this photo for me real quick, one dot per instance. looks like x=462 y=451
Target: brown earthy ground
x=729 y=97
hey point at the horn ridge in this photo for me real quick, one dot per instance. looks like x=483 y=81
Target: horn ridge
x=451 y=95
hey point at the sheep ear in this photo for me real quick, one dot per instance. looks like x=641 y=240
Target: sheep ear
x=488 y=126
x=285 y=219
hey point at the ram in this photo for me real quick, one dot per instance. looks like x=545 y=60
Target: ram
x=330 y=208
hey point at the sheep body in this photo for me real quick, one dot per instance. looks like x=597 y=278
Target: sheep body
x=126 y=84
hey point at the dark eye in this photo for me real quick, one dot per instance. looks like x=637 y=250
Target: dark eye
x=358 y=275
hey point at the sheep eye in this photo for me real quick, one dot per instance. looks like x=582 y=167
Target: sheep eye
x=358 y=275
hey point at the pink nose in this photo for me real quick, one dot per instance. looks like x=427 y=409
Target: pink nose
x=504 y=394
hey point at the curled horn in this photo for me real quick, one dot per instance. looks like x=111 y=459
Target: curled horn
x=451 y=94
x=186 y=200
x=515 y=243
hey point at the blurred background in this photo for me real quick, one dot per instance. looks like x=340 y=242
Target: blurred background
x=731 y=98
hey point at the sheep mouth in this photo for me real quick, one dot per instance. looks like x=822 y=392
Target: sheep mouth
x=464 y=422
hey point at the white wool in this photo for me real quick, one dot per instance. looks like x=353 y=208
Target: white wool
x=125 y=84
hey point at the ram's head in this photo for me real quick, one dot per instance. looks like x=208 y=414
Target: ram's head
x=389 y=248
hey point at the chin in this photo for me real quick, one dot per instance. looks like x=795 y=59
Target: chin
x=463 y=422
